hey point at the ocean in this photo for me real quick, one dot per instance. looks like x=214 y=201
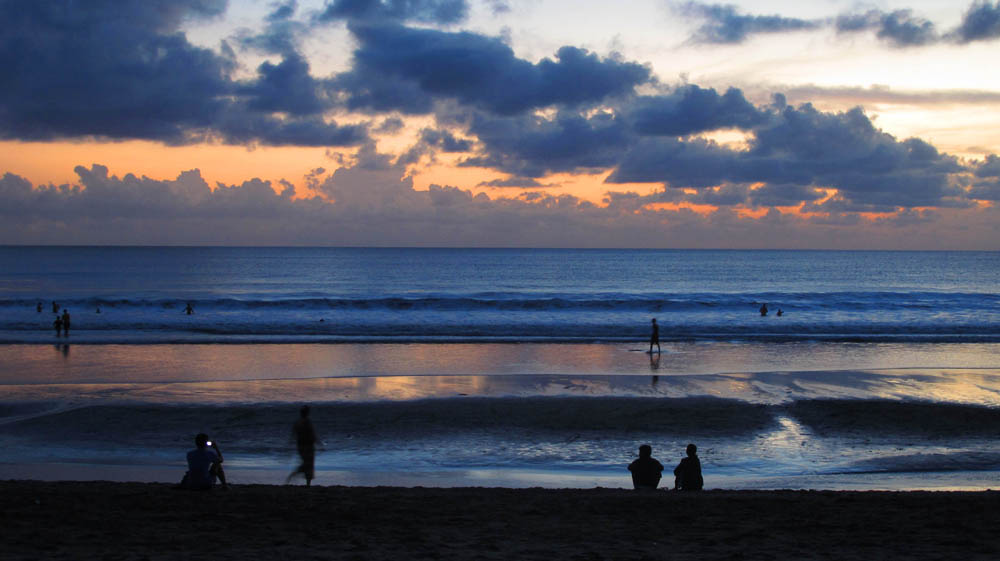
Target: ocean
x=510 y=367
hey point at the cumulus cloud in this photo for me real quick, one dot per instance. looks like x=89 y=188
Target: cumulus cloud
x=432 y=141
x=281 y=34
x=122 y=70
x=723 y=24
x=981 y=22
x=691 y=109
x=986 y=186
x=404 y=68
x=533 y=146
x=900 y=28
x=806 y=147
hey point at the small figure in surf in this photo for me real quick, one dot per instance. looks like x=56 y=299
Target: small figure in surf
x=654 y=337
x=780 y=313
x=65 y=322
x=646 y=470
x=763 y=310
x=188 y=309
x=55 y=307
x=58 y=325
x=687 y=474
x=305 y=440
x=38 y=308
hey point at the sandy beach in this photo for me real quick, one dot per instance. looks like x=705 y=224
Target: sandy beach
x=89 y=520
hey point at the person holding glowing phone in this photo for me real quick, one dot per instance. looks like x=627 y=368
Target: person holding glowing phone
x=204 y=465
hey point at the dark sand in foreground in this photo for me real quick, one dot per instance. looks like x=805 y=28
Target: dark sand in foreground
x=99 y=520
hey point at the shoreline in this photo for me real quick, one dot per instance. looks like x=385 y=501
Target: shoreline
x=62 y=520
x=510 y=478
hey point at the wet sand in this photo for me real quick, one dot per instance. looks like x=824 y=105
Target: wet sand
x=78 y=520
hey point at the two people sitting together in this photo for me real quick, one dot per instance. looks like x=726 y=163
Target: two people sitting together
x=646 y=470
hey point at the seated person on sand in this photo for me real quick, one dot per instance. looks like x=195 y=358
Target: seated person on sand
x=687 y=474
x=646 y=470
x=204 y=465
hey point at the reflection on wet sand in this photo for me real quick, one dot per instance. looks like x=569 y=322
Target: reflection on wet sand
x=967 y=386
x=32 y=364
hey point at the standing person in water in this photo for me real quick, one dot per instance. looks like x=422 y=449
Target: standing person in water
x=57 y=324
x=55 y=307
x=38 y=308
x=763 y=310
x=687 y=474
x=305 y=440
x=65 y=319
x=188 y=310
x=654 y=337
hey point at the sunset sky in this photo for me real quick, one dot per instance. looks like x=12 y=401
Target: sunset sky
x=544 y=123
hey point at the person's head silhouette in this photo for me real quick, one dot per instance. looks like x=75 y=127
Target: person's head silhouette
x=304 y=412
x=201 y=440
x=645 y=451
x=692 y=450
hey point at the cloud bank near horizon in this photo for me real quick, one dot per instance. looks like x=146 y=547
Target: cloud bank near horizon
x=373 y=203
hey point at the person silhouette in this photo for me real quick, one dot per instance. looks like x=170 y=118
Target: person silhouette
x=188 y=309
x=305 y=440
x=58 y=325
x=65 y=319
x=654 y=337
x=204 y=465
x=763 y=310
x=38 y=308
x=55 y=307
x=687 y=474
x=646 y=470
x=780 y=312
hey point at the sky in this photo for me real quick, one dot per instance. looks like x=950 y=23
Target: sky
x=501 y=123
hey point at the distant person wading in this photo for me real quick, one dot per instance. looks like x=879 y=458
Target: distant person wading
x=305 y=440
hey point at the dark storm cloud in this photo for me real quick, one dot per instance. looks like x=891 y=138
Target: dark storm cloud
x=287 y=87
x=980 y=23
x=531 y=146
x=474 y=70
x=990 y=167
x=722 y=23
x=691 y=109
x=986 y=186
x=444 y=141
x=242 y=127
x=426 y=11
x=391 y=125
x=727 y=195
x=805 y=147
x=900 y=28
x=432 y=141
x=122 y=70
x=783 y=194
